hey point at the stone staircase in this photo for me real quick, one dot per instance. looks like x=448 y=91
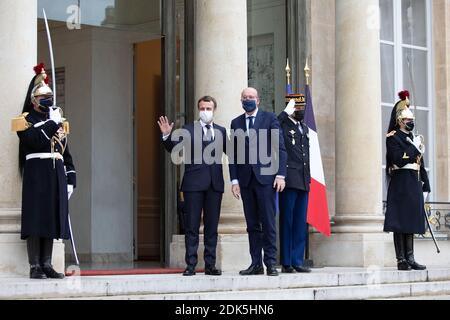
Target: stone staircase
x=321 y=284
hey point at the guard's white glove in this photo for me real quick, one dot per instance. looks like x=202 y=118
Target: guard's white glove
x=425 y=196
x=290 y=109
x=55 y=116
x=417 y=142
x=69 y=191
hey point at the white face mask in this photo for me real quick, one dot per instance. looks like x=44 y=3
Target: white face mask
x=207 y=116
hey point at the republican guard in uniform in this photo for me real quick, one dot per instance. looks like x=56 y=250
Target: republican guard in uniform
x=48 y=174
x=408 y=184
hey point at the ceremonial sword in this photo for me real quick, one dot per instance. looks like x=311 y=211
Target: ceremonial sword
x=413 y=98
x=50 y=46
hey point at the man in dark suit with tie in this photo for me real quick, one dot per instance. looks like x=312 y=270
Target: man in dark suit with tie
x=204 y=143
x=294 y=199
x=258 y=170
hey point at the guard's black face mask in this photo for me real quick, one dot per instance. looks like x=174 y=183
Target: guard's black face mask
x=299 y=115
x=409 y=126
x=45 y=104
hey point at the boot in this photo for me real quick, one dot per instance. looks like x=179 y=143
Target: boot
x=399 y=245
x=33 y=249
x=409 y=241
x=46 y=259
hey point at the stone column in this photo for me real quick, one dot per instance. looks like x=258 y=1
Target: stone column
x=221 y=71
x=441 y=48
x=357 y=238
x=18 y=22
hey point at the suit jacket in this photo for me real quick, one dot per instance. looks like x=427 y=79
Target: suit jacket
x=243 y=171
x=198 y=174
x=297 y=147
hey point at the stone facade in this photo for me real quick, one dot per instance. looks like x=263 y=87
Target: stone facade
x=345 y=79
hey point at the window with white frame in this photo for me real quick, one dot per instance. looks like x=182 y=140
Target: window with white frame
x=406 y=61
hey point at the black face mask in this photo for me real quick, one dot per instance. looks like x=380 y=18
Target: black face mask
x=249 y=105
x=45 y=104
x=410 y=126
x=299 y=115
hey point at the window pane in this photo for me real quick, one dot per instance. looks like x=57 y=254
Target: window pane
x=419 y=63
x=55 y=10
x=387 y=20
x=118 y=14
x=121 y=14
x=414 y=22
x=261 y=70
x=267 y=52
x=384 y=186
x=387 y=73
x=386 y=117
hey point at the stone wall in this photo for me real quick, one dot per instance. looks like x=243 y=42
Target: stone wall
x=441 y=48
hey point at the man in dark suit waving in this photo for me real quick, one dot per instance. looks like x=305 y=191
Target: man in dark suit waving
x=204 y=143
x=258 y=170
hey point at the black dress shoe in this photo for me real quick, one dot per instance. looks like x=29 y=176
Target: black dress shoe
x=302 y=269
x=51 y=273
x=289 y=269
x=415 y=266
x=272 y=272
x=189 y=272
x=403 y=265
x=252 y=270
x=212 y=271
x=37 y=273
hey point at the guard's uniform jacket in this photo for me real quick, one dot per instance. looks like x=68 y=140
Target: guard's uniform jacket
x=47 y=172
x=297 y=145
x=405 y=203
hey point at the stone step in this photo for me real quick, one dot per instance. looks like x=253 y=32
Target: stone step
x=401 y=291
x=344 y=280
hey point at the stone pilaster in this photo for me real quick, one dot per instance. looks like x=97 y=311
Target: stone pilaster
x=441 y=49
x=18 y=22
x=221 y=71
x=357 y=234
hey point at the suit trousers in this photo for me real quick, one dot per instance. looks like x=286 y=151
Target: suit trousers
x=293 y=228
x=195 y=202
x=260 y=215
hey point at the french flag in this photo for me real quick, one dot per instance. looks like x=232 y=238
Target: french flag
x=318 y=215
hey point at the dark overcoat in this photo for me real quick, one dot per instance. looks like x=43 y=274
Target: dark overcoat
x=405 y=211
x=44 y=189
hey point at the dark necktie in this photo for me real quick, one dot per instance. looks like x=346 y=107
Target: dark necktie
x=251 y=122
x=299 y=125
x=208 y=136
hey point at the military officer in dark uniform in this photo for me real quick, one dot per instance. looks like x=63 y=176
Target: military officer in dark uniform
x=294 y=199
x=48 y=174
x=408 y=184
